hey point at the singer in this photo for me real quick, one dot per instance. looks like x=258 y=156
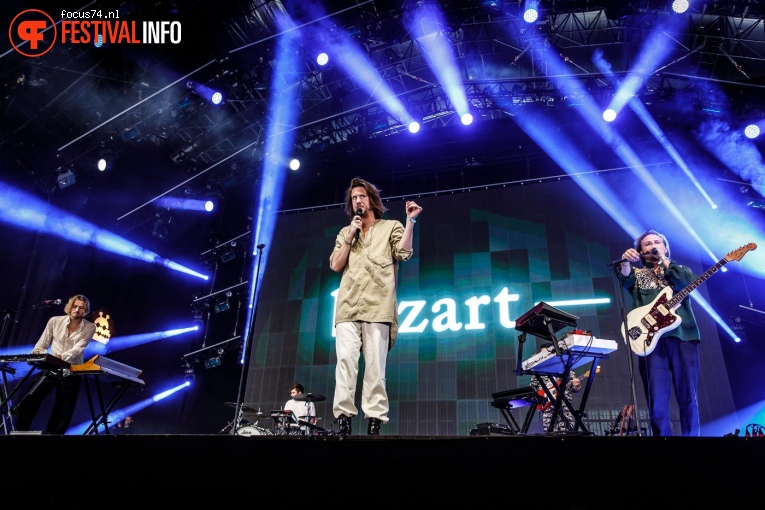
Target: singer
x=66 y=336
x=674 y=361
x=367 y=252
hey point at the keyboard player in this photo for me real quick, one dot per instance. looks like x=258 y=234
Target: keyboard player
x=565 y=420
x=66 y=337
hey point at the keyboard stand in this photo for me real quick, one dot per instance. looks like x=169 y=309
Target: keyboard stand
x=559 y=400
x=507 y=401
x=40 y=370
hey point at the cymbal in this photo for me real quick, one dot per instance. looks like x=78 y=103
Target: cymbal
x=311 y=397
x=245 y=408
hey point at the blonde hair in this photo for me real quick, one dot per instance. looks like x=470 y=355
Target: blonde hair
x=68 y=307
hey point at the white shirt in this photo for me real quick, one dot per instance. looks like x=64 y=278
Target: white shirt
x=300 y=408
x=63 y=345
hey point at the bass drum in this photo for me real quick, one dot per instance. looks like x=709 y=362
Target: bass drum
x=253 y=431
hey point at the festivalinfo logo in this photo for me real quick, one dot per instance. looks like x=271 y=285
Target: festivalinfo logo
x=33 y=32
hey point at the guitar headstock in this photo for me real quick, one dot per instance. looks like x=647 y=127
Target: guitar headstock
x=587 y=374
x=739 y=253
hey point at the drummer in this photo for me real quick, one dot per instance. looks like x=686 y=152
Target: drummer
x=305 y=410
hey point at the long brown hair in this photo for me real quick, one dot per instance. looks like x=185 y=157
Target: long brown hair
x=372 y=192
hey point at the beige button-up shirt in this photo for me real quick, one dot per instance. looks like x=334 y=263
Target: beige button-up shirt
x=368 y=285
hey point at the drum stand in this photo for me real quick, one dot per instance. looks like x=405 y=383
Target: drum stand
x=232 y=425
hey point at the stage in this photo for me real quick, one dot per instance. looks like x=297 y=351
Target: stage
x=580 y=471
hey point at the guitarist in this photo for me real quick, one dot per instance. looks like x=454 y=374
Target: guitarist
x=565 y=419
x=674 y=361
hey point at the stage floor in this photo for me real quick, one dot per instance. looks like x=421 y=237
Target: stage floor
x=582 y=471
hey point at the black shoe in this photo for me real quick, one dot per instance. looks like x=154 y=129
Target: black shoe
x=345 y=425
x=374 y=427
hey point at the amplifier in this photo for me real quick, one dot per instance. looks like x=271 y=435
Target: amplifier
x=492 y=429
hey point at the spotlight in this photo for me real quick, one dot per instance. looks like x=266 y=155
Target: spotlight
x=209 y=205
x=228 y=254
x=189 y=376
x=752 y=131
x=466 y=119
x=680 y=6
x=294 y=164
x=530 y=12
x=66 y=179
x=161 y=227
x=222 y=304
x=206 y=92
x=199 y=321
x=322 y=59
x=609 y=115
x=414 y=126
x=214 y=361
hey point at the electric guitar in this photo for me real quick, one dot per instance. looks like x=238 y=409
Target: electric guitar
x=622 y=421
x=554 y=392
x=646 y=324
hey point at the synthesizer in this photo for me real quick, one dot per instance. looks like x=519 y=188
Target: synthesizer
x=44 y=361
x=583 y=347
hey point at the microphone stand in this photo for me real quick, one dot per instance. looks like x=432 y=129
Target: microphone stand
x=245 y=344
x=616 y=267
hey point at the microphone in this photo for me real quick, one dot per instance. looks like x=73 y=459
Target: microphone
x=648 y=255
x=617 y=262
x=52 y=302
x=359 y=212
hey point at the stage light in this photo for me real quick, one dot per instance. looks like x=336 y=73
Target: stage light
x=214 y=361
x=530 y=12
x=228 y=254
x=294 y=164
x=188 y=371
x=680 y=6
x=66 y=179
x=222 y=304
x=161 y=227
x=414 y=126
x=206 y=92
x=466 y=119
x=752 y=131
x=186 y=204
x=198 y=321
x=322 y=59
x=609 y=115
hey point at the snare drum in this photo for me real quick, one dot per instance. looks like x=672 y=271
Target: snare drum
x=253 y=431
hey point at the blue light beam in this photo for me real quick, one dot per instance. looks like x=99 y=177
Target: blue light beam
x=29 y=212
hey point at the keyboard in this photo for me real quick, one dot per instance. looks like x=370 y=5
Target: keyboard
x=585 y=347
x=45 y=361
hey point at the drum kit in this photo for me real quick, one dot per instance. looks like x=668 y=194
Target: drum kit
x=286 y=423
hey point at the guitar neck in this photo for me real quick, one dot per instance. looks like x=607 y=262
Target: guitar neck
x=677 y=298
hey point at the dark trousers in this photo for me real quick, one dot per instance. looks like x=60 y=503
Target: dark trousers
x=673 y=364
x=67 y=391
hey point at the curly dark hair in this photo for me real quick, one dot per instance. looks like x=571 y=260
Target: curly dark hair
x=372 y=192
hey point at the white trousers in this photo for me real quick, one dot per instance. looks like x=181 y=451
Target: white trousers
x=371 y=340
